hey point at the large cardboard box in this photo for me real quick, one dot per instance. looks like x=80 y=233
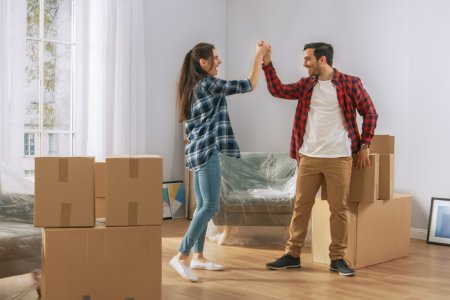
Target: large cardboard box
x=363 y=183
x=64 y=192
x=386 y=181
x=134 y=191
x=377 y=232
x=102 y=263
x=100 y=189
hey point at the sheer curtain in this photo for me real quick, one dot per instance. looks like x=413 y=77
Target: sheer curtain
x=12 y=81
x=110 y=95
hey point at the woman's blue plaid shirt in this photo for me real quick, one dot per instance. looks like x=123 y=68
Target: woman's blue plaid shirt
x=208 y=125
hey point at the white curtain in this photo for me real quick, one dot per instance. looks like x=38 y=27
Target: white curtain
x=12 y=81
x=110 y=101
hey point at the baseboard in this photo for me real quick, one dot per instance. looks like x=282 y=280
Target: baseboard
x=418 y=234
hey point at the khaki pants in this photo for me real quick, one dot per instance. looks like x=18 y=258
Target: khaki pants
x=311 y=172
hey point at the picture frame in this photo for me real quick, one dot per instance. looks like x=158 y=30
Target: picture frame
x=439 y=222
x=174 y=200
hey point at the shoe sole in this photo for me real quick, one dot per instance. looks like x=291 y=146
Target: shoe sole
x=283 y=268
x=343 y=274
x=207 y=269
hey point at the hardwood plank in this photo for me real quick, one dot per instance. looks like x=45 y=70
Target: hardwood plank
x=425 y=274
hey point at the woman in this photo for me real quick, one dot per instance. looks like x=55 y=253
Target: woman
x=203 y=107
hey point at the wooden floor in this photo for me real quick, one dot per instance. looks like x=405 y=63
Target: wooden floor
x=425 y=274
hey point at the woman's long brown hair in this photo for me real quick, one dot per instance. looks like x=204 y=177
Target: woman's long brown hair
x=191 y=73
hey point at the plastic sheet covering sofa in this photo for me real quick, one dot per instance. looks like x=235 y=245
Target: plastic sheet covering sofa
x=258 y=189
x=20 y=241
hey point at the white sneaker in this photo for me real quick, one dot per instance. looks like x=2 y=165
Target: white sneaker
x=183 y=270
x=210 y=266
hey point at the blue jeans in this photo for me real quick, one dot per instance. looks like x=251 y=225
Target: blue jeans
x=207 y=191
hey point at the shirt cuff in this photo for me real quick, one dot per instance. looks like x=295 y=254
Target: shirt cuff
x=269 y=66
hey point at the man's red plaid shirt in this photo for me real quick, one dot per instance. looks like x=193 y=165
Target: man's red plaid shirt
x=351 y=96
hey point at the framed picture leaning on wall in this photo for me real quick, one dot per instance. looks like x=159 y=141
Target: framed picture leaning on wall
x=439 y=222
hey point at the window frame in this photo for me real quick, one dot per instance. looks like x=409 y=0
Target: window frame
x=39 y=134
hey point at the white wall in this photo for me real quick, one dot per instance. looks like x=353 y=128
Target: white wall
x=400 y=49
x=172 y=28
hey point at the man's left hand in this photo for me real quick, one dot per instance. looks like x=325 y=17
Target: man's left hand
x=363 y=159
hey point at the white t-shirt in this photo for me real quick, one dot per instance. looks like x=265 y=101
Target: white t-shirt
x=325 y=133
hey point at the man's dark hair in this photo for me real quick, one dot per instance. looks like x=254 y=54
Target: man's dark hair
x=322 y=49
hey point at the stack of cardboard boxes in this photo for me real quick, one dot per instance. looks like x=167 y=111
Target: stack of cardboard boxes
x=84 y=260
x=378 y=220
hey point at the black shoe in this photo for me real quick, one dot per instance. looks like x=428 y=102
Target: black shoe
x=340 y=266
x=284 y=262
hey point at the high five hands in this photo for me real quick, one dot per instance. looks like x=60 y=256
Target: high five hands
x=264 y=49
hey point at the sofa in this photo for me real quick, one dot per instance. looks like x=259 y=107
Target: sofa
x=20 y=241
x=257 y=189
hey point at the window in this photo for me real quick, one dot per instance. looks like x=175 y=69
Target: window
x=50 y=51
x=29 y=144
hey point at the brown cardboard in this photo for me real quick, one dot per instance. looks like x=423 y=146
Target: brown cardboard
x=320 y=231
x=134 y=191
x=386 y=181
x=377 y=232
x=363 y=182
x=382 y=144
x=102 y=263
x=100 y=208
x=64 y=192
x=100 y=179
x=189 y=193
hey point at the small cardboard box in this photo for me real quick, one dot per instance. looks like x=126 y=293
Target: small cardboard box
x=134 y=191
x=100 y=189
x=101 y=263
x=377 y=232
x=363 y=183
x=100 y=208
x=383 y=144
x=189 y=193
x=100 y=179
x=64 y=192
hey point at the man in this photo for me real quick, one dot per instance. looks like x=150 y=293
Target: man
x=325 y=135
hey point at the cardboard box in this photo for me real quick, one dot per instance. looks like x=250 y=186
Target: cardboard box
x=363 y=183
x=320 y=231
x=377 y=232
x=102 y=263
x=134 y=191
x=190 y=193
x=382 y=144
x=386 y=180
x=100 y=179
x=64 y=192
x=100 y=189
x=385 y=146
x=100 y=208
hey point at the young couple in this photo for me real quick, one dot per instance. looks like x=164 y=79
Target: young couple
x=324 y=137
